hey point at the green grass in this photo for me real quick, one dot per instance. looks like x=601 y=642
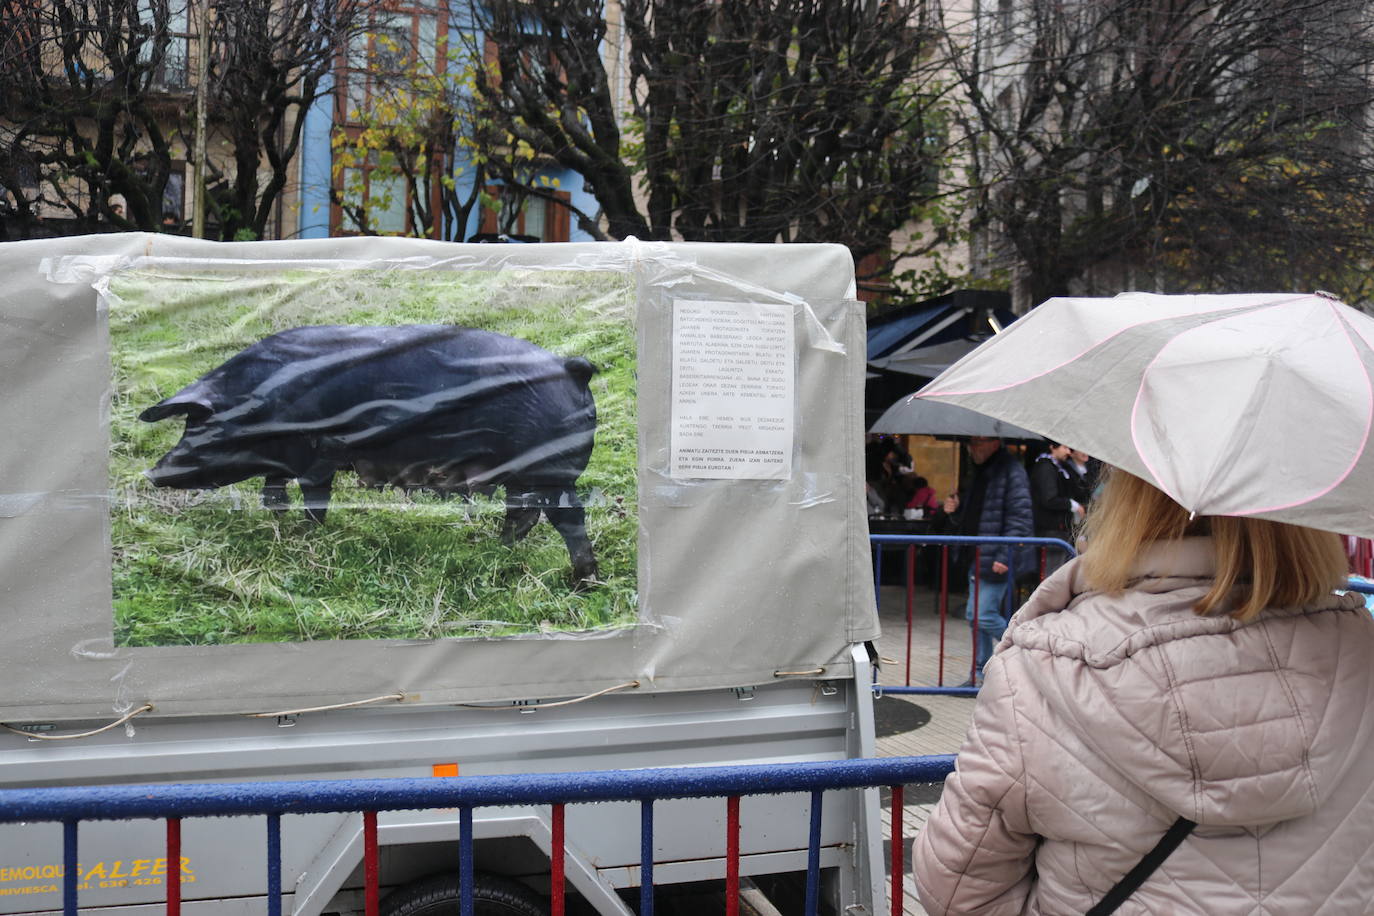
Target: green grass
x=211 y=567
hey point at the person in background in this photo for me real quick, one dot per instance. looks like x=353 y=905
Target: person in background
x=994 y=501
x=877 y=505
x=884 y=462
x=1183 y=670
x=1055 y=486
x=1087 y=470
x=923 y=496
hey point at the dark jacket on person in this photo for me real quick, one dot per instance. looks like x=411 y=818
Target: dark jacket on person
x=1086 y=481
x=1054 y=488
x=995 y=501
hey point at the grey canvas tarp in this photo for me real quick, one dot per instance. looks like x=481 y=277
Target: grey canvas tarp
x=746 y=564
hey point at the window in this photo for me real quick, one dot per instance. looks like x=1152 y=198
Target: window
x=388 y=197
x=174 y=196
x=173 y=70
x=873 y=276
x=402 y=36
x=539 y=218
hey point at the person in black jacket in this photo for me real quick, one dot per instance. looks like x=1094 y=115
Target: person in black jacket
x=885 y=462
x=1055 y=486
x=1089 y=471
x=994 y=501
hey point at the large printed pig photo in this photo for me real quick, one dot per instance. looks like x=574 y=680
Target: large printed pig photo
x=450 y=409
x=303 y=454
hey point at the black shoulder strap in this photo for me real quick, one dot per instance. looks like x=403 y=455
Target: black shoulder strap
x=1144 y=868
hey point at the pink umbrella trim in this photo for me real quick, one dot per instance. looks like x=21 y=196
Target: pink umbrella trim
x=1117 y=333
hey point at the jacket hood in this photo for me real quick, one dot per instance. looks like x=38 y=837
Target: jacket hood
x=1226 y=723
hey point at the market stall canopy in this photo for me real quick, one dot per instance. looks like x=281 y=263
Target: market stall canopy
x=911 y=344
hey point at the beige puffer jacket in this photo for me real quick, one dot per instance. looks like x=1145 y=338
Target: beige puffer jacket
x=1105 y=717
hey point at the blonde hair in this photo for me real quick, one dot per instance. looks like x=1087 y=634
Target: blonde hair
x=1259 y=563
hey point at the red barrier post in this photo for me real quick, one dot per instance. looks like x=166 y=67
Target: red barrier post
x=370 y=897
x=732 y=855
x=558 y=897
x=944 y=608
x=973 y=665
x=910 y=592
x=173 y=866
x=897 y=863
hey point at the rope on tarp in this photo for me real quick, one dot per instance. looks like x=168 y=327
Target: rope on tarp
x=628 y=685
x=398 y=697
x=40 y=736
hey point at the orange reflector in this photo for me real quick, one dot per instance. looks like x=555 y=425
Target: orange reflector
x=445 y=769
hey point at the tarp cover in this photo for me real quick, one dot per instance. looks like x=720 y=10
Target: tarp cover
x=256 y=477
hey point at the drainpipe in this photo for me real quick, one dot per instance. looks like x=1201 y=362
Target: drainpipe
x=202 y=77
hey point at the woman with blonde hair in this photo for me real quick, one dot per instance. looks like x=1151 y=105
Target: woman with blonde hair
x=1184 y=703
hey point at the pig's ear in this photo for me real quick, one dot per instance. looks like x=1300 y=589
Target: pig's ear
x=192 y=408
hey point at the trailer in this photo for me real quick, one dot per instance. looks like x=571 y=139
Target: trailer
x=374 y=508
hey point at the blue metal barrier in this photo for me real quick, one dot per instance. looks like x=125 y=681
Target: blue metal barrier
x=912 y=541
x=71 y=805
x=1355 y=584
x=959 y=540
x=122 y=802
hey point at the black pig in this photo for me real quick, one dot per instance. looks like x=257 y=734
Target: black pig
x=456 y=410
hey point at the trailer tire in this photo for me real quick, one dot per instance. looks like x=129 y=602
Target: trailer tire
x=492 y=895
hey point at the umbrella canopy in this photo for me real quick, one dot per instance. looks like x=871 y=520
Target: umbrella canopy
x=1258 y=404
x=915 y=416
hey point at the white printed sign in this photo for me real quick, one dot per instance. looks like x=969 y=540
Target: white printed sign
x=734 y=370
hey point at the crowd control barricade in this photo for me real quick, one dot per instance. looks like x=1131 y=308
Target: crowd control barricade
x=941 y=590
x=1362 y=584
x=70 y=806
x=1361 y=554
x=913 y=542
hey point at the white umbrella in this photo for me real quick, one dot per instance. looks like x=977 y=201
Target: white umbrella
x=1257 y=404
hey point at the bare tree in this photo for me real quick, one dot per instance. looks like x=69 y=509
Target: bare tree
x=269 y=60
x=89 y=89
x=98 y=99
x=755 y=120
x=548 y=87
x=1170 y=144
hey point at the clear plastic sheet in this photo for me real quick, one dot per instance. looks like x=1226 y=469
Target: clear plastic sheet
x=245 y=476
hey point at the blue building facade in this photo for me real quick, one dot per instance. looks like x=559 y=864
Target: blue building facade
x=419 y=26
